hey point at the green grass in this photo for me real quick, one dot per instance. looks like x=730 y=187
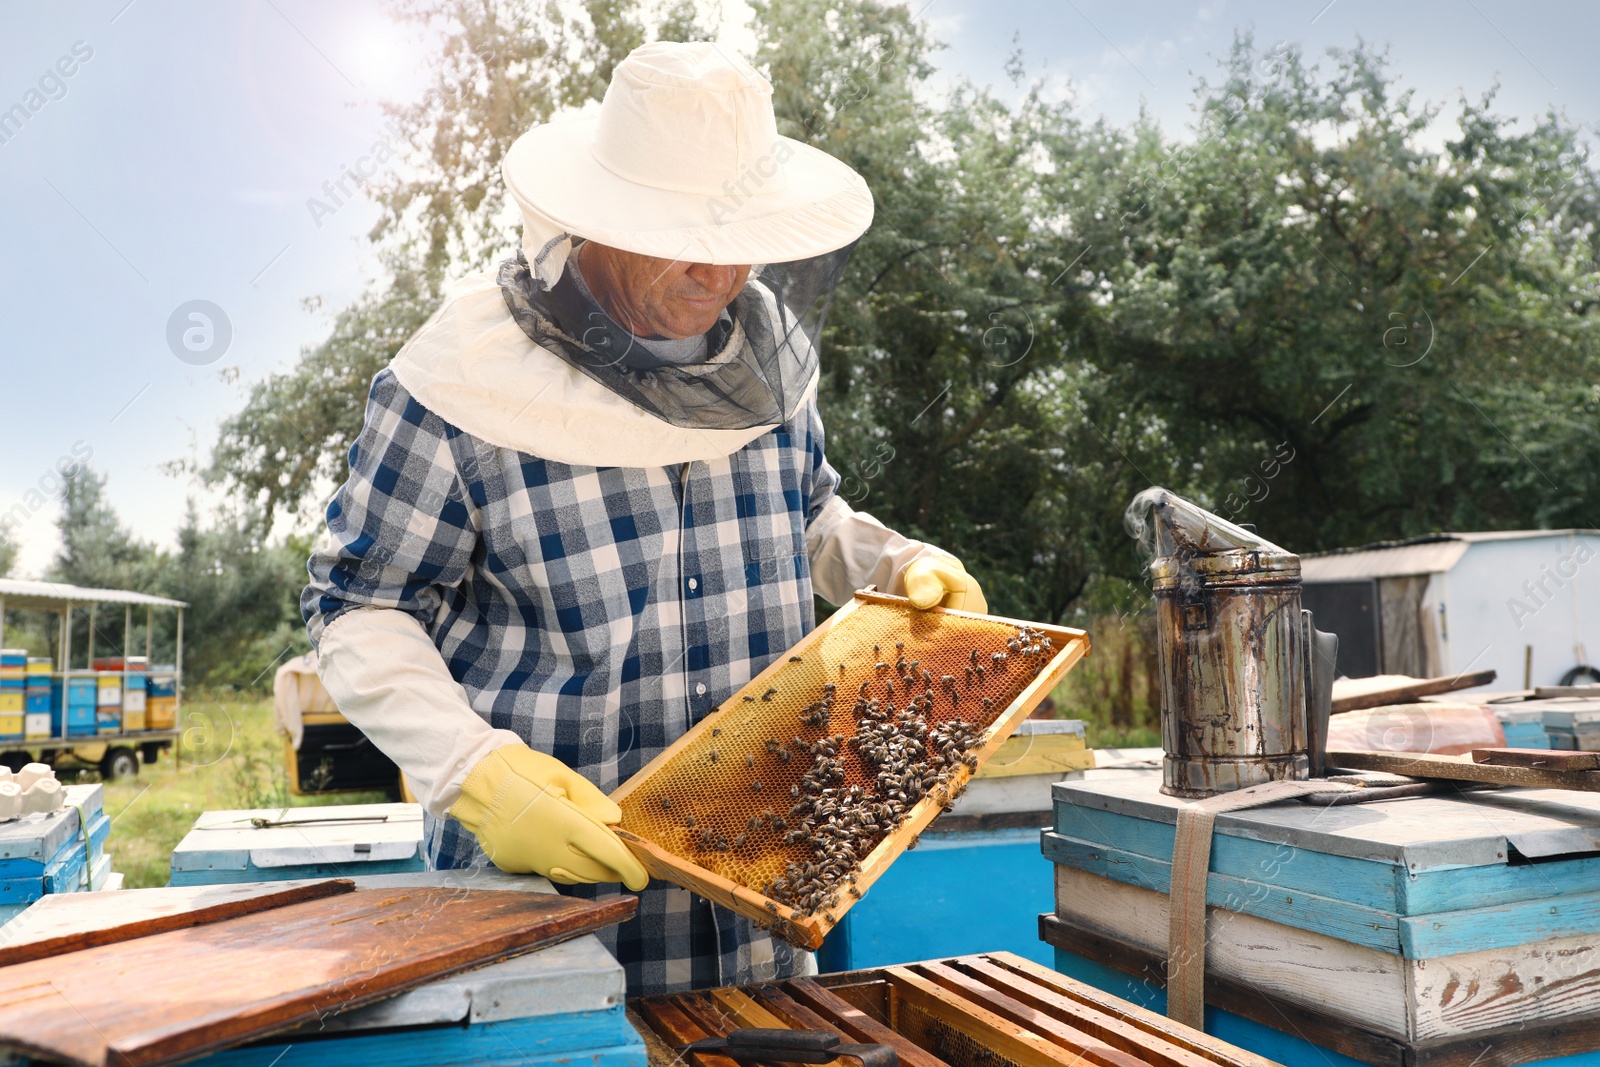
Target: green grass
x=230 y=756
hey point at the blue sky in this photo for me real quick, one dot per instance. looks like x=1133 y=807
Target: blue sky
x=175 y=161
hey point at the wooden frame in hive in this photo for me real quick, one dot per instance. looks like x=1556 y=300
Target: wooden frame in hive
x=724 y=775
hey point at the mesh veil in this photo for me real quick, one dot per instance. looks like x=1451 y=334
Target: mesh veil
x=763 y=354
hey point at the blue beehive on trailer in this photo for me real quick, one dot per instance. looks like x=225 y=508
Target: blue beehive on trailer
x=1424 y=929
x=271 y=844
x=81 y=693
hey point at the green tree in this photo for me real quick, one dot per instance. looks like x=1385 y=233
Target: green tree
x=243 y=592
x=1298 y=313
x=1411 y=327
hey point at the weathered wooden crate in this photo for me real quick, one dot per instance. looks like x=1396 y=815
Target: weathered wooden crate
x=266 y=844
x=990 y=1010
x=723 y=775
x=554 y=1007
x=1425 y=930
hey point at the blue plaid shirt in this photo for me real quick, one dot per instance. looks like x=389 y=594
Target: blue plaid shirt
x=598 y=612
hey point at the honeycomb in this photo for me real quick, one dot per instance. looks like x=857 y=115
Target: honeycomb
x=732 y=781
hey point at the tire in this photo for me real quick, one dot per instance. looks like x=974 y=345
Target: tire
x=1581 y=675
x=119 y=762
x=15 y=760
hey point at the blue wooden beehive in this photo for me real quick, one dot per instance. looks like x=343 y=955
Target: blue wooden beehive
x=61 y=852
x=271 y=844
x=1419 y=930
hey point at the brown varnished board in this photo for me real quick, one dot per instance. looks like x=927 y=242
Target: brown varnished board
x=228 y=909
x=176 y=994
x=710 y=772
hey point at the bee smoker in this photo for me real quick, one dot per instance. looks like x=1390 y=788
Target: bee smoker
x=1246 y=680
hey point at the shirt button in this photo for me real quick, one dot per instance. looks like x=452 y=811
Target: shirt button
x=694 y=583
x=700 y=689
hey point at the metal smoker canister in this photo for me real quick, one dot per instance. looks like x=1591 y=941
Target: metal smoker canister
x=1232 y=644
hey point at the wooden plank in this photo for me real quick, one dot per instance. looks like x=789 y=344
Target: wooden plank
x=1403 y=690
x=1116 y=1015
x=54 y=946
x=1546 y=692
x=176 y=994
x=1537 y=759
x=1458 y=768
x=1250 y=1000
x=1060 y=1031
x=807 y=931
x=996 y=1035
x=858 y=1024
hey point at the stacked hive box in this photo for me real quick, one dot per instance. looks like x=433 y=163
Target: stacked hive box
x=1571 y=723
x=130 y=674
x=270 y=844
x=1524 y=727
x=62 y=852
x=1419 y=930
x=161 y=698
x=133 y=704
x=36 y=719
x=108 y=702
x=75 y=697
x=13 y=691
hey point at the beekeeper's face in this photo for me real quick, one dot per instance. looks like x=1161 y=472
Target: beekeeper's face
x=654 y=297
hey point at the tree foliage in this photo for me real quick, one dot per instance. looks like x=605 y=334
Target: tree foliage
x=1296 y=311
x=243 y=594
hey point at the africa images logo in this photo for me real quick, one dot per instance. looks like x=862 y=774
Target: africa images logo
x=52 y=85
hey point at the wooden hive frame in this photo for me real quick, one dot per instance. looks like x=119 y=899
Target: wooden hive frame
x=990 y=1010
x=805 y=930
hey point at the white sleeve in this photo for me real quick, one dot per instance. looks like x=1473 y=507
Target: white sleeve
x=387 y=677
x=850 y=549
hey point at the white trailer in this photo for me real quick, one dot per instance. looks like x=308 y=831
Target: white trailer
x=1524 y=603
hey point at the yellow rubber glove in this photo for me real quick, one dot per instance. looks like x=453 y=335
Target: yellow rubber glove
x=941 y=581
x=531 y=812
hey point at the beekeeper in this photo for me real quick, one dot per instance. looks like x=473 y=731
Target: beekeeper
x=590 y=499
